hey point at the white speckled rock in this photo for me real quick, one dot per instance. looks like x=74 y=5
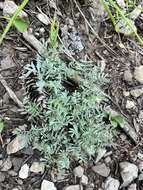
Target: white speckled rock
x=24 y=171
x=47 y=185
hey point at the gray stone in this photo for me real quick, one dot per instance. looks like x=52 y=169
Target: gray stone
x=7 y=164
x=9 y=8
x=133 y=187
x=130 y=104
x=2 y=177
x=140 y=155
x=17 y=162
x=107 y=160
x=24 y=171
x=37 y=167
x=84 y=180
x=73 y=187
x=47 y=185
x=126 y=93
x=111 y=184
x=16 y=144
x=140 y=165
x=78 y=171
x=100 y=154
x=138 y=74
x=128 y=76
x=12 y=173
x=102 y=170
x=129 y=172
x=136 y=92
x=140 y=177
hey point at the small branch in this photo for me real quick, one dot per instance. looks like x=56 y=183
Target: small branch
x=10 y=92
x=30 y=38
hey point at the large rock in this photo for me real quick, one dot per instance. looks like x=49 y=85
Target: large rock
x=47 y=185
x=129 y=172
x=102 y=170
x=138 y=74
x=111 y=184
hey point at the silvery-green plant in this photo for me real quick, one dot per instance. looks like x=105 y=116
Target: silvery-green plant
x=66 y=113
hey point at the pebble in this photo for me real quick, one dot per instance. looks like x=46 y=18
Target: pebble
x=84 y=180
x=126 y=93
x=128 y=76
x=37 y=167
x=9 y=9
x=141 y=115
x=43 y=18
x=7 y=164
x=138 y=74
x=140 y=177
x=16 y=144
x=130 y=104
x=78 y=171
x=2 y=177
x=132 y=187
x=24 y=171
x=47 y=185
x=12 y=173
x=100 y=154
x=140 y=165
x=102 y=170
x=136 y=92
x=73 y=187
x=111 y=184
x=17 y=162
x=107 y=160
x=129 y=172
x=140 y=155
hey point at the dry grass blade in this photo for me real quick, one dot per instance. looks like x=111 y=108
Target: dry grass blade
x=10 y=92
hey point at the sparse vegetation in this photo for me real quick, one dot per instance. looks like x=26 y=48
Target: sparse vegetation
x=69 y=122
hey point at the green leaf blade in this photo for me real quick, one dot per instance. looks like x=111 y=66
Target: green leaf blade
x=21 y=25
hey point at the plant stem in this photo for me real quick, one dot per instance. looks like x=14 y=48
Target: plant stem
x=10 y=23
x=124 y=17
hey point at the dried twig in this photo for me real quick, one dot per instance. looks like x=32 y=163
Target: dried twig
x=33 y=41
x=10 y=92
